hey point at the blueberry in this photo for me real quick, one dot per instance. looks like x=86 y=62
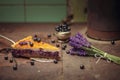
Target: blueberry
x=6 y=57
x=65 y=27
x=32 y=63
x=15 y=67
x=60 y=29
x=55 y=61
x=68 y=52
x=82 y=66
x=64 y=47
x=57 y=28
x=31 y=44
x=53 y=41
x=60 y=25
x=57 y=45
x=35 y=38
x=11 y=60
x=65 y=30
x=38 y=39
x=49 y=35
x=112 y=42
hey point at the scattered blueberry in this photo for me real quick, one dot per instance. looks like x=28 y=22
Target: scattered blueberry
x=112 y=42
x=53 y=41
x=55 y=61
x=15 y=67
x=32 y=63
x=49 y=35
x=82 y=66
x=68 y=52
x=6 y=57
x=11 y=60
x=64 y=47
x=57 y=45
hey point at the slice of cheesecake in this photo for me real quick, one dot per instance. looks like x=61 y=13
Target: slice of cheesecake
x=35 y=47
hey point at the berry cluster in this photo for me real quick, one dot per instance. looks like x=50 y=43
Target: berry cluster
x=62 y=28
x=36 y=38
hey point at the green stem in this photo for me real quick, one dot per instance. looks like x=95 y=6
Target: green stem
x=94 y=50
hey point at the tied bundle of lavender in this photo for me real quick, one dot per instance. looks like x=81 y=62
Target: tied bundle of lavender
x=81 y=47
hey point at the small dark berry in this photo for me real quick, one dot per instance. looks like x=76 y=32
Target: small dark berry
x=68 y=52
x=38 y=40
x=49 y=35
x=58 y=30
x=65 y=27
x=82 y=66
x=65 y=30
x=31 y=44
x=15 y=67
x=6 y=57
x=35 y=38
x=53 y=41
x=32 y=63
x=112 y=42
x=60 y=26
x=57 y=45
x=11 y=60
x=63 y=48
x=55 y=61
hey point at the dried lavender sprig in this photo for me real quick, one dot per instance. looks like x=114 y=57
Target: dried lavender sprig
x=76 y=51
x=79 y=42
x=79 y=39
x=113 y=58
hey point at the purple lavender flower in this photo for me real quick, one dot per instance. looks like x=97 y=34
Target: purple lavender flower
x=81 y=45
x=78 y=51
x=79 y=41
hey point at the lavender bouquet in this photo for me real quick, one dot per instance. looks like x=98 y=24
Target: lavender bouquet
x=81 y=47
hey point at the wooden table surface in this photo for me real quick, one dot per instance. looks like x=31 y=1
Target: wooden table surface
x=66 y=69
